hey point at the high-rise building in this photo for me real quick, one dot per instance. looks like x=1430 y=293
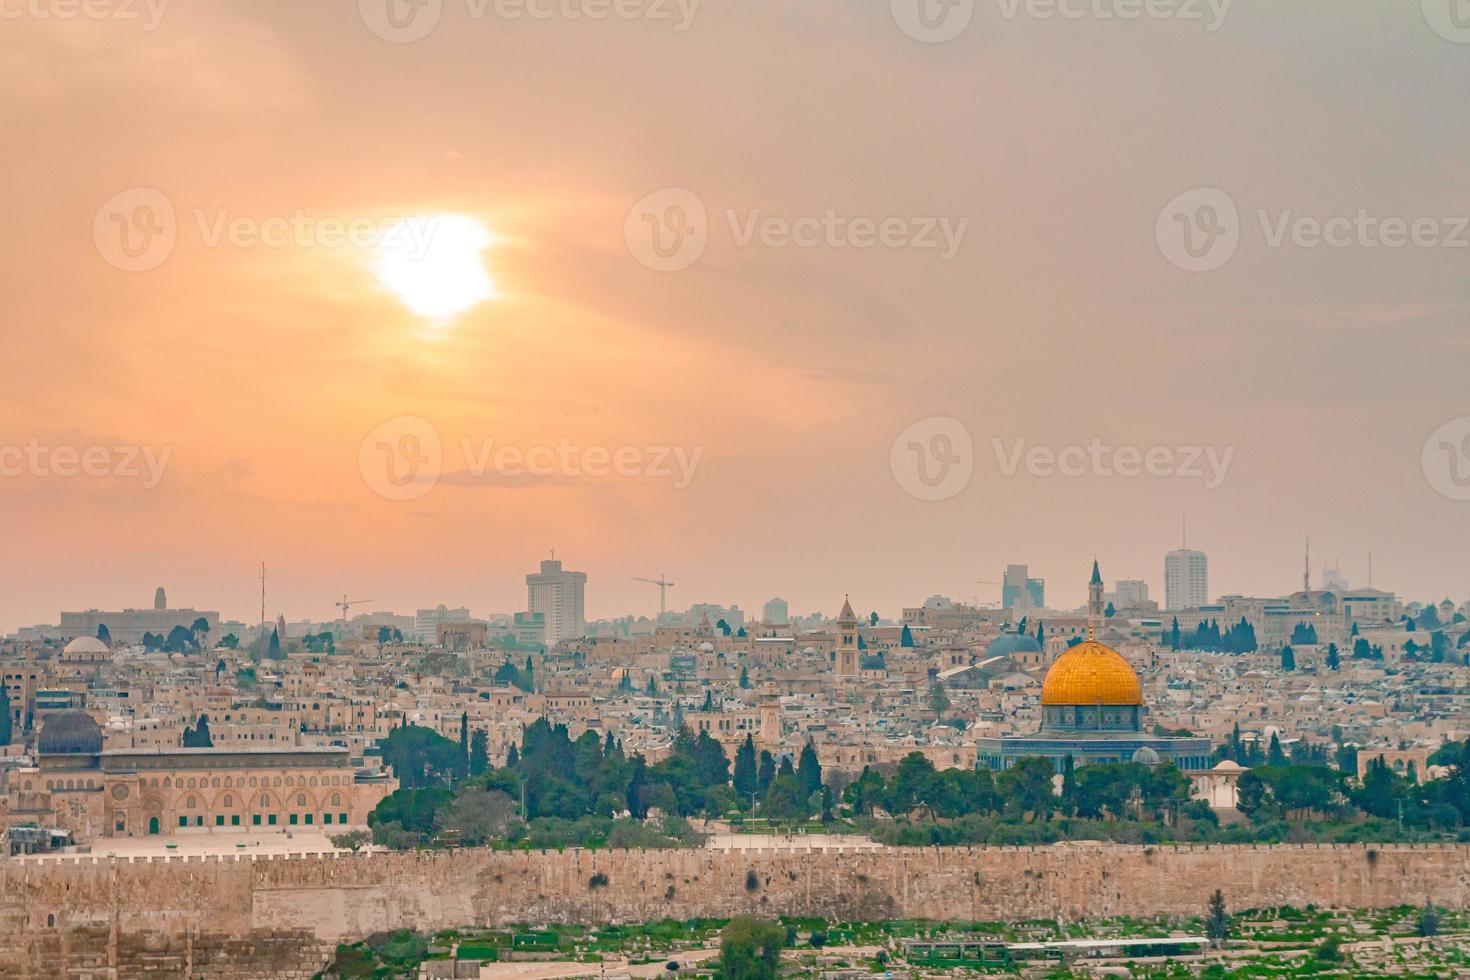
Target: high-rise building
x=426 y=622
x=1186 y=579
x=1018 y=590
x=561 y=596
x=776 y=612
x=1131 y=593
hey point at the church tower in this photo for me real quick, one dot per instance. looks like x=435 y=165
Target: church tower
x=847 y=641
x=1095 y=595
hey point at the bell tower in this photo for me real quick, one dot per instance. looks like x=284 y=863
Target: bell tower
x=847 y=641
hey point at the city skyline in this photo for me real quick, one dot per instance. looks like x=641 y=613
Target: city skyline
x=592 y=583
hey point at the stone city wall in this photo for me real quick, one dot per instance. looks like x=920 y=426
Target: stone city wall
x=235 y=916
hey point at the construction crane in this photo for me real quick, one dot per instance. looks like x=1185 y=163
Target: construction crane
x=977 y=595
x=344 y=605
x=663 y=591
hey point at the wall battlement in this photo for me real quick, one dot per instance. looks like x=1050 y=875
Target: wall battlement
x=216 y=916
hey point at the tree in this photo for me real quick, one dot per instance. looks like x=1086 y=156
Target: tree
x=938 y=701
x=750 y=949
x=198 y=737
x=1109 y=612
x=273 y=651
x=785 y=799
x=809 y=770
x=103 y=634
x=906 y=638
x=745 y=678
x=1026 y=788
x=5 y=719
x=464 y=743
x=1428 y=920
x=1288 y=659
x=1217 y=923
x=475 y=816
x=1275 y=756
x=1174 y=635
x=873 y=619
x=765 y=771
x=479 y=752
x=746 y=774
x=1334 y=659
x=352 y=840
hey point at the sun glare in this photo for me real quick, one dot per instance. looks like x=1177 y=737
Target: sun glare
x=433 y=263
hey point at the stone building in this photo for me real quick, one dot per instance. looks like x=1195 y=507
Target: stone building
x=94 y=792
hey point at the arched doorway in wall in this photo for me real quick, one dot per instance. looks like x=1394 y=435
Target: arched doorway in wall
x=153 y=825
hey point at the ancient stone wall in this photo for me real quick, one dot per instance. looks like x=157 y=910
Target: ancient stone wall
x=264 y=917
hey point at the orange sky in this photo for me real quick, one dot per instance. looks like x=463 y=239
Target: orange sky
x=790 y=371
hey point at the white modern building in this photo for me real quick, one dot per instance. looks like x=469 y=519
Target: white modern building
x=560 y=596
x=1186 y=579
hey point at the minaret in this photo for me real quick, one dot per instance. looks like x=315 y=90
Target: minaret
x=1094 y=597
x=847 y=647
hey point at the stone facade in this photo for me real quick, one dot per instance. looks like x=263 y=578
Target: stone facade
x=228 y=916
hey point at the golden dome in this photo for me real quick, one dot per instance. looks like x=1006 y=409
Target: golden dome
x=1091 y=673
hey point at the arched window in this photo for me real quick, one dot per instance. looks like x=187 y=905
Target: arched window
x=265 y=799
x=229 y=800
x=189 y=803
x=301 y=799
x=336 y=799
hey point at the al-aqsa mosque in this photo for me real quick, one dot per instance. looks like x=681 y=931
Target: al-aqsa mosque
x=1092 y=712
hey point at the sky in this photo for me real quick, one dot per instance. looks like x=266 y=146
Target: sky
x=773 y=298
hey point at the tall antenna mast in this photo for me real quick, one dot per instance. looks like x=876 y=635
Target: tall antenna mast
x=262 y=598
x=1307 y=568
x=1184 y=532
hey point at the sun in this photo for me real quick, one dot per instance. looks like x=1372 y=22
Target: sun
x=434 y=264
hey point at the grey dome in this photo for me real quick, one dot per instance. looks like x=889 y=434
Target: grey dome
x=1146 y=756
x=69 y=733
x=1008 y=644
